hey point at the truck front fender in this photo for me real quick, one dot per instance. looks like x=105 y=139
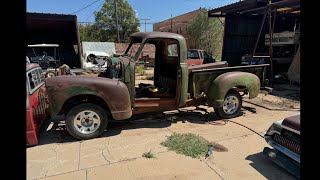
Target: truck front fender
x=223 y=83
x=115 y=94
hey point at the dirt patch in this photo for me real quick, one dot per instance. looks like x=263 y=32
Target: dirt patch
x=289 y=91
x=271 y=101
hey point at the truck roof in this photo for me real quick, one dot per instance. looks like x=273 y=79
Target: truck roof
x=147 y=35
x=31 y=66
x=43 y=45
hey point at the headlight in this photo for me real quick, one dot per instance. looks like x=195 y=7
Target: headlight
x=275 y=127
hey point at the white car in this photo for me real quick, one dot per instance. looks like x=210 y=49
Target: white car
x=91 y=57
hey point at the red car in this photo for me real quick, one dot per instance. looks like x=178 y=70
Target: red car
x=198 y=57
x=194 y=57
x=36 y=102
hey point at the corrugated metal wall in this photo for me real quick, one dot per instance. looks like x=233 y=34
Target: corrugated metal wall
x=108 y=47
x=239 y=37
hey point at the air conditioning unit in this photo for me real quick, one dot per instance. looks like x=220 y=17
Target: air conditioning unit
x=283 y=38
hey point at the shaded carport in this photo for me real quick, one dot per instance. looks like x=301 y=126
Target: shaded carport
x=247 y=22
x=56 y=29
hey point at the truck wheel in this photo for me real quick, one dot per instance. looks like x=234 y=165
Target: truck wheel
x=86 y=121
x=231 y=105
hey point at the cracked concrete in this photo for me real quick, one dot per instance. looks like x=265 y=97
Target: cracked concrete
x=167 y=165
x=118 y=153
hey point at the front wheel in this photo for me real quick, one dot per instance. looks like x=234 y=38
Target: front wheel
x=86 y=121
x=231 y=105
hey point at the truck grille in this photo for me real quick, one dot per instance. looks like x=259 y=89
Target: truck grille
x=285 y=142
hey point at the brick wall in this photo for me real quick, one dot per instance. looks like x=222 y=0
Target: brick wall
x=179 y=26
x=147 y=54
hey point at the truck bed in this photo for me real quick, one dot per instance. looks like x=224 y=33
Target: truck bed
x=199 y=77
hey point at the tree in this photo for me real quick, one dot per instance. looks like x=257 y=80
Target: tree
x=105 y=21
x=89 y=32
x=207 y=33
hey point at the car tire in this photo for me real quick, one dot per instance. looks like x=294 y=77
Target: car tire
x=231 y=106
x=86 y=121
x=50 y=74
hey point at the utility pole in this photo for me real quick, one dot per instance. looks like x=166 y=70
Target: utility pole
x=116 y=15
x=145 y=24
x=171 y=23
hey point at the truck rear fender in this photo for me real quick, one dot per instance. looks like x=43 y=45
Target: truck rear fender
x=223 y=83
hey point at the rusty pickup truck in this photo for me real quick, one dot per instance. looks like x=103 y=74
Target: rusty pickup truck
x=90 y=102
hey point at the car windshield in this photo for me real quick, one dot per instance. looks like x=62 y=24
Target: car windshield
x=193 y=54
x=40 y=51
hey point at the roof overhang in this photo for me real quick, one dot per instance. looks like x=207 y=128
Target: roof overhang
x=256 y=7
x=43 y=45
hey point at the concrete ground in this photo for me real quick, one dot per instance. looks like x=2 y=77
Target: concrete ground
x=118 y=153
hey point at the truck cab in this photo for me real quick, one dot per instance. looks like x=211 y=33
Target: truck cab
x=169 y=86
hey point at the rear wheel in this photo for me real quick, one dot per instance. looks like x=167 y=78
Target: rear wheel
x=86 y=121
x=231 y=105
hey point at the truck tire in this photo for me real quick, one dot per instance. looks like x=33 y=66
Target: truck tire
x=86 y=121
x=231 y=106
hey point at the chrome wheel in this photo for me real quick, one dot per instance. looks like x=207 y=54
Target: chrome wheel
x=86 y=122
x=231 y=104
x=50 y=74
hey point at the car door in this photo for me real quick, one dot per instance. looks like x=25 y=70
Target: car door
x=36 y=103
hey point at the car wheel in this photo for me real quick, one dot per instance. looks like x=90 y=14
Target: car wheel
x=50 y=74
x=231 y=105
x=86 y=121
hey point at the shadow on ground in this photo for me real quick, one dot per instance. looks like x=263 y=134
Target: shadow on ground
x=268 y=168
x=54 y=130
x=286 y=90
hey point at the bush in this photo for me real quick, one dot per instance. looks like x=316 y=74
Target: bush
x=140 y=70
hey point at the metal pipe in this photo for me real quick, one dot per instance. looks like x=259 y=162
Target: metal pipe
x=116 y=15
x=258 y=37
x=171 y=23
x=270 y=43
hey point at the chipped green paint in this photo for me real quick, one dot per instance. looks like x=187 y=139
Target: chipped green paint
x=184 y=71
x=215 y=83
x=223 y=83
x=184 y=84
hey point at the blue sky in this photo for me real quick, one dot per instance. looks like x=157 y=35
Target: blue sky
x=155 y=10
